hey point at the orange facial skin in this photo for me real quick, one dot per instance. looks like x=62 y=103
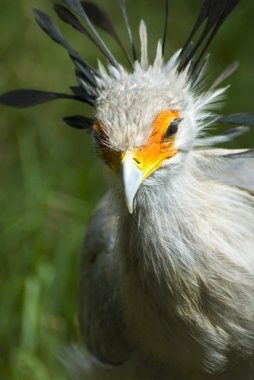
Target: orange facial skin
x=149 y=157
x=157 y=149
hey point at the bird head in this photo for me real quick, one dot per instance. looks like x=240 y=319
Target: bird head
x=145 y=119
x=148 y=120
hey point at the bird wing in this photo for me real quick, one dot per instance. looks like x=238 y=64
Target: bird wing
x=234 y=167
x=100 y=312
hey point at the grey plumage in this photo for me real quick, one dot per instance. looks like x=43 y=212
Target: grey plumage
x=167 y=274
x=235 y=171
x=100 y=284
x=101 y=313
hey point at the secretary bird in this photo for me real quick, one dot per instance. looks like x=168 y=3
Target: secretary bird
x=167 y=277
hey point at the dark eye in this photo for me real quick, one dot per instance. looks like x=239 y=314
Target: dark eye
x=172 y=128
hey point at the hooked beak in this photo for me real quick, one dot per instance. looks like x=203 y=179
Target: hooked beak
x=139 y=164
x=132 y=178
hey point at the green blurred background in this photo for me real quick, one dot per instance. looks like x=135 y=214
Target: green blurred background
x=51 y=179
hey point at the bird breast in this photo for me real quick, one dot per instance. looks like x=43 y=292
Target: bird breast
x=187 y=277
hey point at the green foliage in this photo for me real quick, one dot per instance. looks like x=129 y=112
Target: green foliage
x=51 y=180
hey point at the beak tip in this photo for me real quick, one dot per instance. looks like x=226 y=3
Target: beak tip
x=130 y=209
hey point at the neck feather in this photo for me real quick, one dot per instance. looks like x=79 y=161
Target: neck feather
x=188 y=249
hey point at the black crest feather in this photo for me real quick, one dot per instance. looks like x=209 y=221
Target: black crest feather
x=50 y=28
x=83 y=70
x=79 y=122
x=100 y=18
x=76 y=6
x=28 y=98
x=127 y=24
x=69 y=18
x=165 y=27
x=214 y=12
x=81 y=94
x=237 y=118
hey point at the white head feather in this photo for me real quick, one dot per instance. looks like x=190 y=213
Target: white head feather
x=129 y=102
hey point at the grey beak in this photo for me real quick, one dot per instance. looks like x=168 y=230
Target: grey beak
x=132 y=179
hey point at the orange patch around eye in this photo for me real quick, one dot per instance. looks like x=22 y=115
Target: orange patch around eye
x=162 y=121
x=155 y=151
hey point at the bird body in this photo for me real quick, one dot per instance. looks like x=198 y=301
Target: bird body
x=167 y=275
x=167 y=299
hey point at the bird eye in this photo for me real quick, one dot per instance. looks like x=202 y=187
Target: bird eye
x=172 y=128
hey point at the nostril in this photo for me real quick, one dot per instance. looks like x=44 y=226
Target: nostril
x=137 y=161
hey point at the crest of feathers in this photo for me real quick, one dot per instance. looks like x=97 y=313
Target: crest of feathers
x=185 y=68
